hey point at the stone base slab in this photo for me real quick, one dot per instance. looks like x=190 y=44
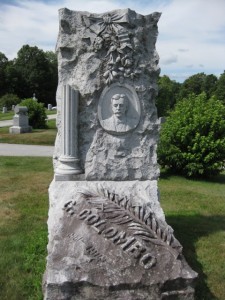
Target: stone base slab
x=18 y=129
x=109 y=240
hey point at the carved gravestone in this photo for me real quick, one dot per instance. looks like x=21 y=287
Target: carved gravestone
x=108 y=237
x=20 y=121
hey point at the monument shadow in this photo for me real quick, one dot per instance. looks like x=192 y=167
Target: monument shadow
x=188 y=230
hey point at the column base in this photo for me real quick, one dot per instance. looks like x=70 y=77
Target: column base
x=69 y=166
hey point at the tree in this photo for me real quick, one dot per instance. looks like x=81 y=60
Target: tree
x=53 y=70
x=38 y=72
x=167 y=97
x=193 y=85
x=3 y=64
x=14 y=80
x=209 y=85
x=192 y=140
x=8 y=100
x=220 y=88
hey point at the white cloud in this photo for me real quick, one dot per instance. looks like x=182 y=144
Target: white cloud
x=190 y=32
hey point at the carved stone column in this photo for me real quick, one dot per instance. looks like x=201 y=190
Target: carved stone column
x=69 y=161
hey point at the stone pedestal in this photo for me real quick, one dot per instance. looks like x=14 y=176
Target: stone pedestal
x=20 y=121
x=112 y=246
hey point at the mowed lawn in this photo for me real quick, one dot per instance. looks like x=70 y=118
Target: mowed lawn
x=194 y=208
x=44 y=137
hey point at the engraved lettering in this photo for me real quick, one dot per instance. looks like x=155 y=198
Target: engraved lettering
x=147 y=261
x=68 y=207
x=91 y=219
x=120 y=238
x=128 y=243
x=99 y=224
x=110 y=232
x=84 y=214
x=136 y=249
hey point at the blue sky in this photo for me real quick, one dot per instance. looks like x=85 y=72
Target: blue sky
x=191 y=32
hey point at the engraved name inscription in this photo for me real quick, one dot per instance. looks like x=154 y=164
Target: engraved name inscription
x=134 y=229
x=129 y=244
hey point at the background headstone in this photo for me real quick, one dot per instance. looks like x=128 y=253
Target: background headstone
x=108 y=237
x=34 y=97
x=20 y=121
x=4 y=110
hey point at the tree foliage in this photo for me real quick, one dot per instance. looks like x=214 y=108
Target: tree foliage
x=167 y=96
x=37 y=73
x=3 y=64
x=33 y=71
x=192 y=140
x=36 y=113
x=220 y=88
x=197 y=84
x=8 y=100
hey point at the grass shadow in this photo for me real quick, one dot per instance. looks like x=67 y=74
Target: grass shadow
x=188 y=230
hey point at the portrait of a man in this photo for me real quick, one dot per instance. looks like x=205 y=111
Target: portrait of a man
x=119 y=121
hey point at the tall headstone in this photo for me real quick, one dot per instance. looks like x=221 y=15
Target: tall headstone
x=20 y=121
x=108 y=237
x=4 y=110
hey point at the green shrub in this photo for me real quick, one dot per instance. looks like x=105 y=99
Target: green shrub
x=8 y=100
x=192 y=140
x=36 y=113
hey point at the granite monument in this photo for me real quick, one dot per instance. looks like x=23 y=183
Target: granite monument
x=108 y=236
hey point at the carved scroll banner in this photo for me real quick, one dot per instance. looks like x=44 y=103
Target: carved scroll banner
x=107 y=233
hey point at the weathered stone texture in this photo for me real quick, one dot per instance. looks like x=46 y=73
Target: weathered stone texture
x=108 y=246
x=92 y=55
x=108 y=237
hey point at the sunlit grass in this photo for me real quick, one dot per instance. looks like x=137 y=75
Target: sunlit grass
x=9 y=115
x=23 y=231
x=36 y=137
x=196 y=211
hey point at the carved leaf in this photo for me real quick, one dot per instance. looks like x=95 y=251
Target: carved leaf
x=140 y=220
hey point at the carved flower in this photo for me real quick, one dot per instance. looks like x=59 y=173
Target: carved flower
x=98 y=43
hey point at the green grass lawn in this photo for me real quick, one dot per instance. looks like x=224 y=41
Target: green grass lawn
x=23 y=231
x=36 y=137
x=6 y=116
x=196 y=211
x=194 y=208
x=9 y=115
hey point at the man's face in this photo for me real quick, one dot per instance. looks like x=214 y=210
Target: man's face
x=119 y=107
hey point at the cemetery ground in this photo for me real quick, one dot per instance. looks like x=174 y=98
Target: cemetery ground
x=9 y=115
x=36 y=137
x=194 y=208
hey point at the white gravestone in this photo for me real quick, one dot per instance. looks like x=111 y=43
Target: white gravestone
x=4 y=110
x=108 y=237
x=20 y=121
